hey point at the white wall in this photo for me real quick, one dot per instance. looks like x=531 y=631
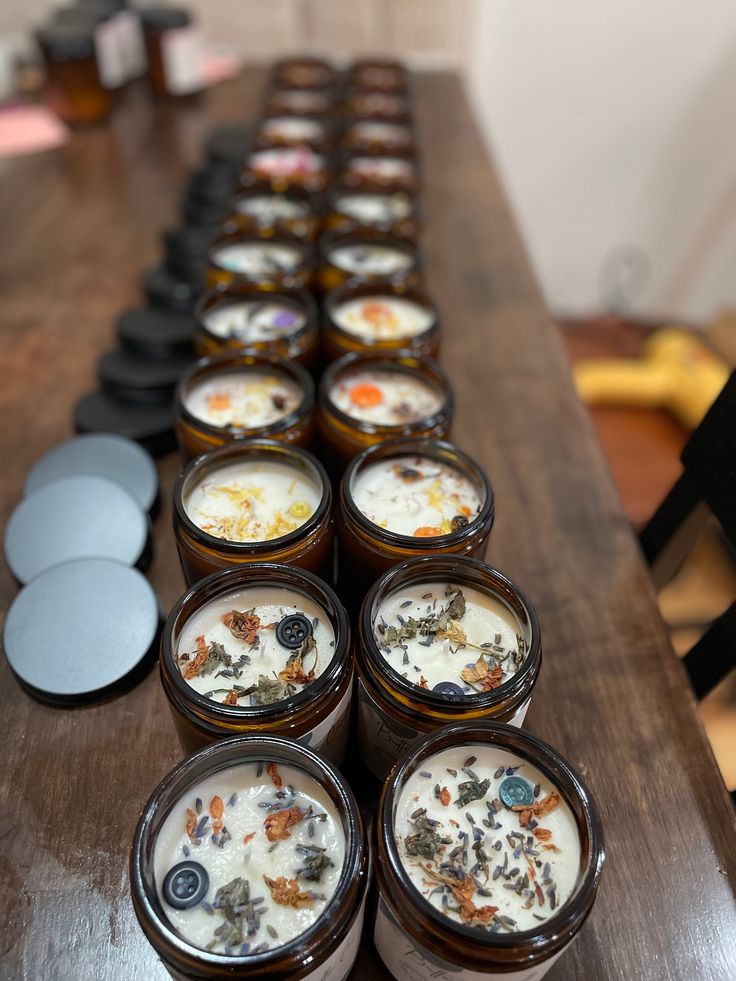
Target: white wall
x=614 y=125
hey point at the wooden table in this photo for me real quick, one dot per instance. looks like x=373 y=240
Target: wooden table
x=78 y=226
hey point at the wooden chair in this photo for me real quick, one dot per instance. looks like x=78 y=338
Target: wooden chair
x=707 y=484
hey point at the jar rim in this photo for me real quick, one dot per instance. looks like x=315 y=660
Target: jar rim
x=243 y=362
x=261 y=237
x=353 y=289
x=212 y=759
x=436 y=568
x=225 y=581
x=229 y=294
x=568 y=783
x=265 y=448
x=404 y=362
x=436 y=449
x=368 y=236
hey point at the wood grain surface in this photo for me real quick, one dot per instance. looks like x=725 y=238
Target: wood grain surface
x=78 y=226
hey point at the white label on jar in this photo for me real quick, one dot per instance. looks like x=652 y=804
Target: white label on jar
x=181 y=50
x=339 y=964
x=109 y=54
x=382 y=740
x=131 y=43
x=330 y=735
x=408 y=961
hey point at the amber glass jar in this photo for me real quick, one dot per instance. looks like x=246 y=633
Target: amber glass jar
x=195 y=435
x=345 y=431
x=366 y=550
x=298 y=101
x=376 y=136
x=308 y=546
x=259 y=208
x=366 y=256
x=325 y=949
x=298 y=129
x=415 y=939
x=317 y=716
x=73 y=88
x=393 y=711
x=174 y=51
x=365 y=104
x=394 y=213
x=373 y=168
x=270 y=260
x=281 y=339
x=379 y=75
x=304 y=73
x=338 y=338
x=285 y=167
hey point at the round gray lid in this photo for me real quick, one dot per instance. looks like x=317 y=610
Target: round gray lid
x=82 y=631
x=103 y=455
x=73 y=518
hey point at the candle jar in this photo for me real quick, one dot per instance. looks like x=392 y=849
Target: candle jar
x=242 y=396
x=379 y=75
x=392 y=171
x=174 y=51
x=376 y=136
x=304 y=73
x=365 y=400
x=203 y=926
x=386 y=106
x=441 y=639
x=394 y=213
x=73 y=88
x=301 y=685
x=366 y=256
x=265 y=259
x=537 y=834
x=259 y=208
x=404 y=498
x=298 y=101
x=284 y=167
x=379 y=319
x=285 y=129
x=258 y=500
x=272 y=323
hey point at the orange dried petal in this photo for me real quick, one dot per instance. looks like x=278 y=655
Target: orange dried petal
x=274 y=775
x=366 y=395
x=217 y=808
x=427 y=531
x=445 y=797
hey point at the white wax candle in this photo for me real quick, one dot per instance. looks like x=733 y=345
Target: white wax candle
x=243 y=399
x=380 y=104
x=438 y=633
x=294 y=129
x=385 y=397
x=270 y=826
x=256 y=259
x=253 y=501
x=301 y=100
x=481 y=863
x=379 y=317
x=269 y=208
x=255 y=320
x=287 y=161
x=371 y=131
x=366 y=259
x=247 y=649
x=368 y=208
x=415 y=496
x=381 y=168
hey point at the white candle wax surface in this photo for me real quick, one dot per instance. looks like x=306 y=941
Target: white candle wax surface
x=415 y=496
x=243 y=399
x=378 y=318
x=301 y=100
x=368 y=208
x=253 y=501
x=536 y=849
x=365 y=259
x=382 y=168
x=448 y=636
x=269 y=208
x=231 y=644
x=386 y=398
x=255 y=320
x=274 y=894
x=371 y=131
x=380 y=104
x=294 y=129
x=259 y=259
x=286 y=161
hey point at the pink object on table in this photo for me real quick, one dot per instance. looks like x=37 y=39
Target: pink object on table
x=29 y=129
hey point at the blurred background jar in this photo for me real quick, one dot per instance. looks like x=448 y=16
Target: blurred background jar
x=73 y=87
x=174 y=50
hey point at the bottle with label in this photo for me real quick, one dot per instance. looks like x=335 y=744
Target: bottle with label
x=174 y=51
x=73 y=87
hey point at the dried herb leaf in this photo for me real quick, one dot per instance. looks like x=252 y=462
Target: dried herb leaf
x=244 y=626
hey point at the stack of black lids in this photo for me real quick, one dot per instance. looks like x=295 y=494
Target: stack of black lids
x=86 y=622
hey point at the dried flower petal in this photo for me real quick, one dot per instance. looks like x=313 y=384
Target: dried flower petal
x=445 y=797
x=545 y=806
x=244 y=626
x=287 y=893
x=274 y=775
x=277 y=824
x=217 y=807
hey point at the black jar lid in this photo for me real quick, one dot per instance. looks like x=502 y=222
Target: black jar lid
x=82 y=631
x=165 y=18
x=77 y=517
x=150 y=425
x=136 y=379
x=104 y=455
x=229 y=143
x=68 y=42
x=167 y=291
x=151 y=333
x=187 y=242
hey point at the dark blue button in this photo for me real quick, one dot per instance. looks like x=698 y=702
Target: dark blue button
x=185 y=885
x=515 y=792
x=448 y=688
